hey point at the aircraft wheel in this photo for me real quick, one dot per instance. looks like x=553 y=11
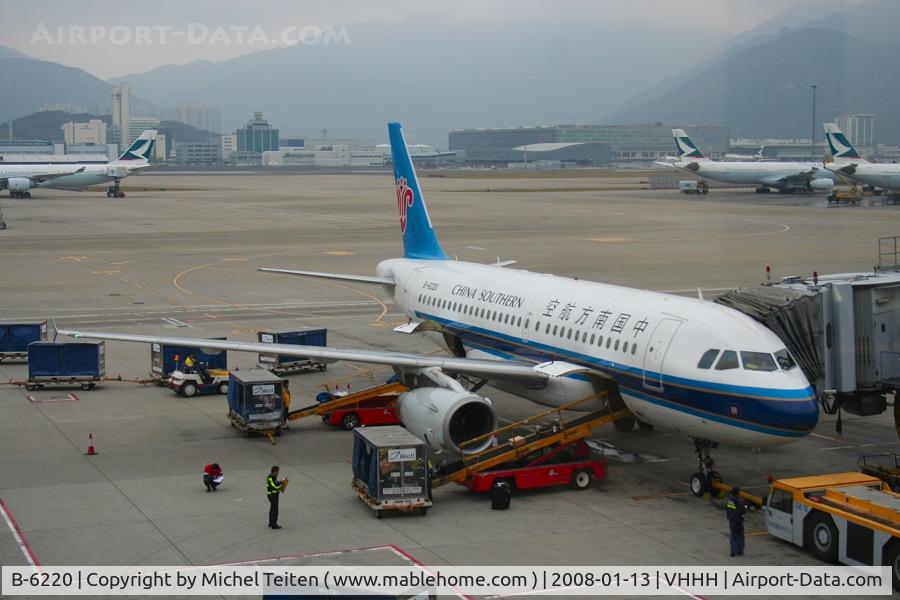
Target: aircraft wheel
x=698 y=485
x=28 y=194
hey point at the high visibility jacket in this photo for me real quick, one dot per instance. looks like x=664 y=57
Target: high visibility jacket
x=734 y=510
x=273 y=486
x=189 y=362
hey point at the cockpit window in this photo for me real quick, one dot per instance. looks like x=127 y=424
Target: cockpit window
x=708 y=358
x=728 y=360
x=785 y=361
x=758 y=361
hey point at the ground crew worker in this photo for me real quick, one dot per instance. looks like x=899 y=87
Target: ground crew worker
x=735 y=509
x=273 y=489
x=189 y=363
x=286 y=398
x=212 y=474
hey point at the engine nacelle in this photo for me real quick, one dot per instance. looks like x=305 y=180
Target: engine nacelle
x=821 y=185
x=18 y=184
x=446 y=418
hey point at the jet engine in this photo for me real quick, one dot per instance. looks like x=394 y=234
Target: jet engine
x=821 y=185
x=18 y=185
x=446 y=418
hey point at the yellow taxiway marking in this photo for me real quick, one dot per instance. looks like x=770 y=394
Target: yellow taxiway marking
x=340 y=253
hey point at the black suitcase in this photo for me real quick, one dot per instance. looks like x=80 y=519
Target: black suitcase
x=500 y=495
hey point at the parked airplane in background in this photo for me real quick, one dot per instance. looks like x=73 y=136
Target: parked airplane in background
x=685 y=364
x=746 y=157
x=786 y=177
x=18 y=179
x=73 y=177
x=848 y=163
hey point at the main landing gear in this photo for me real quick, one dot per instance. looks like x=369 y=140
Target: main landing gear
x=114 y=191
x=701 y=481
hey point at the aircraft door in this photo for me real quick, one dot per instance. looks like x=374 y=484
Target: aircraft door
x=655 y=353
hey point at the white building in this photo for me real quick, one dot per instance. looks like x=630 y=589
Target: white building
x=859 y=129
x=332 y=155
x=201 y=116
x=121 y=108
x=228 y=143
x=92 y=132
x=159 y=151
x=136 y=126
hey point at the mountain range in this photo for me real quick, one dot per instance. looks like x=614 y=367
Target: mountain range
x=463 y=74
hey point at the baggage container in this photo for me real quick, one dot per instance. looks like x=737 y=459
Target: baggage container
x=390 y=469
x=66 y=362
x=280 y=363
x=163 y=361
x=255 y=400
x=15 y=337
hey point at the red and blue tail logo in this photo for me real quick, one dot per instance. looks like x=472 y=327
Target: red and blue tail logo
x=405 y=200
x=419 y=238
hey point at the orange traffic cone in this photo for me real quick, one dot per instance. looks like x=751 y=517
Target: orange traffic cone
x=90 y=450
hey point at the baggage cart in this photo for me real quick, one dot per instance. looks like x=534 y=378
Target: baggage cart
x=281 y=364
x=256 y=403
x=15 y=337
x=167 y=358
x=61 y=363
x=883 y=466
x=390 y=470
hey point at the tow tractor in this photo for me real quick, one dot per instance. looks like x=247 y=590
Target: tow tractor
x=848 y=518
x=204 y=381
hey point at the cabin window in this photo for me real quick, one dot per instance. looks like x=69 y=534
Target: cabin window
x=526 y=324
x=420 y=298
x=616 y=347
x=608 y=342
x=625 y=347
x=708 y=358
x=785 y=360
x=554 y=329
x=634 y=348
x=600 y=340
x=519 y=323
x=569 y=335
x=593 y=336
x=728 y=360
x=506 y=319
x=482 y=313
x=758 y=361
x=548 y=329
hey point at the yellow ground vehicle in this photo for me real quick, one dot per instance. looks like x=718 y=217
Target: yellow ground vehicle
x=850 y=518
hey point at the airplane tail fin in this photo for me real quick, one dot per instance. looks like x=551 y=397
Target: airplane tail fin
x=841 y=148
x=419 y=238
x=686 y=148
x=141 y=149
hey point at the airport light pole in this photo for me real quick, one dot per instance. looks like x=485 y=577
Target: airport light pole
x=812 y=145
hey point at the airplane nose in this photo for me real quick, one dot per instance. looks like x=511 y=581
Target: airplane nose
x=801 y=415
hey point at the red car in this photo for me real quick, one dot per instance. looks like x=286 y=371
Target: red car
x=381 y=410
x=560 y=465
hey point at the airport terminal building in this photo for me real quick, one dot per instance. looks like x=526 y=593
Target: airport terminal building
x=584 y=145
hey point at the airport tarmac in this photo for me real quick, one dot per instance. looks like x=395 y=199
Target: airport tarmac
x=182 y=260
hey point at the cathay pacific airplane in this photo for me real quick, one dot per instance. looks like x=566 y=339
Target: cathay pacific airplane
x=18 y=179
x=134 y=159
x=848 y=163
x=679 y=363
x=786 y=177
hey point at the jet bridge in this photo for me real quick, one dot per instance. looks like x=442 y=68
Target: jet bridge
x=843 y=330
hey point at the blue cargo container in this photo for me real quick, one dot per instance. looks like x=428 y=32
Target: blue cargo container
x=15 y=337
x=255 y=400
x=162 y=358
x=281 y=363
x=66 y=362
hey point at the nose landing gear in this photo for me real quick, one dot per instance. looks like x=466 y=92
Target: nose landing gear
x=701 y=482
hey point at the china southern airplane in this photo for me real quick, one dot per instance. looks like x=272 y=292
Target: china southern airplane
x=786 y=177
x=685 y=364
x=72 y=177
x=848 y=163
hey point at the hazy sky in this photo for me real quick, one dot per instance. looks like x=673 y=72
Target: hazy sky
x=113 y=38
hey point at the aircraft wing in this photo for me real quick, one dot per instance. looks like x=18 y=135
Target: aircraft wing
x=798 y=177
x=43 y=178
x=489 y=369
